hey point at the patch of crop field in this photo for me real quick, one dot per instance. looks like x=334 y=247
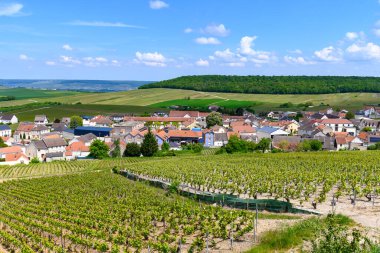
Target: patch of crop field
x=204 y=103
x=68 y=110
x=23 y=93
x=104 y=212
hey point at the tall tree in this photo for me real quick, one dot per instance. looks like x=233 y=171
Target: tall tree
x=76 y=121
x=99 y=149
x=116 y=152
x=149 y=146
x=213 y=119
x=132 y=150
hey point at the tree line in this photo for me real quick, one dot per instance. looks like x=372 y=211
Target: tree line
x=271 y=84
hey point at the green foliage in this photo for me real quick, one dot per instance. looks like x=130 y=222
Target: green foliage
x=367 y=129
x=350 y=115
x=165 y=146
x=7 y=98
x=149 y=146
x=272 y=84
x=34 y=160
x=76 y=121
x=337 y=238
x=264 y=144
x=132 y=150
x=2 y=144
x=214 y=119
x=99 y=149
x=195 y=147
x=235 y=144
x=375 y=146
x=310 y=145
x=116 y=152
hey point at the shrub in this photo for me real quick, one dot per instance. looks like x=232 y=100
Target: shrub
x=132 y=150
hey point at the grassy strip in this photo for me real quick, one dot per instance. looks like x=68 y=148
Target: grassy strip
x=293 y=236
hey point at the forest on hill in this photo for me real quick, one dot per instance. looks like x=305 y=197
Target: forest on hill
x=272 y=84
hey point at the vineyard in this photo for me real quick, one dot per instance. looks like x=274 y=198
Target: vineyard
x=303 y=179
x=104 y=212
x=60 y=168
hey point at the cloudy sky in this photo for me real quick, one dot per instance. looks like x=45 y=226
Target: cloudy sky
x=159 y=39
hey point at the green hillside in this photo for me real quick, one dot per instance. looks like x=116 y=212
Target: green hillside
x=272 y=84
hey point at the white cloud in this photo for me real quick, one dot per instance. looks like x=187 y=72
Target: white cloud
x=50 y=63
x=352 y=35
x=69 y=60
x=103 y=24
x=243 y=55
x=151 y=59
x=157 y=4
x=259 y=57
x=67 y=47
x=95 y=61
x=369 y=51
x=24 y=57
x=115 y=63
x=9 y=10
x=216 y=30
x=297 y=60
x=207 y=41
x=188 y=30
x=202 y=63
x=329 y=54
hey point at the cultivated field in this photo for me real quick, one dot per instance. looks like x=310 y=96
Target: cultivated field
x=149 y=97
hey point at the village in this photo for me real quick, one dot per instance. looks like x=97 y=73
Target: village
x=46 y=141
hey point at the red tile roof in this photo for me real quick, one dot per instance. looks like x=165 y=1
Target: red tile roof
x=158 y=119
x=336 y=121
x=11 y=150
x=77 y=147
x=14 y=157
x=184 y=134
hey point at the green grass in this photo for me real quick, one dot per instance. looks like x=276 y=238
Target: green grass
x=23 y=93
x=204 y=103
x=293 y=236
x=64 y=110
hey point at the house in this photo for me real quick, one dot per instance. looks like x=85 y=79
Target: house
x=97 y=131
x=8 y=119
x=117 y=117
x=41 y=120
x=215 y=137
x=66 y=121
x=340 y=125
x=5 y=131
x=371 y=123
x=245 y=131
x=86 y=139
x=269 y=132
x=161 y=137
x=162 y=122
x=47 y=149
x=86 y=120
x=101 y=121
x=77 y=150
x=12 y=156
x=59 y=127
x=136 y=136
x=274 y=115
x=184 y=137
x=372 y=112
x=29 y=131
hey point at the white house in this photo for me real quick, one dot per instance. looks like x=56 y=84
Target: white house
x=269 y=132
x=340 y=125
x=5 y=131
x=48 y=148
x=8 y=119
x=41 y=120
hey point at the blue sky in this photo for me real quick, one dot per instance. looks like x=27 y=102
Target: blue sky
x=154 y=40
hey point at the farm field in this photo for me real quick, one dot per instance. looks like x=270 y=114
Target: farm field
x=104 y=212
x=147 y=97
x=205 y=103
x=24 y=93
x=67 y=110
